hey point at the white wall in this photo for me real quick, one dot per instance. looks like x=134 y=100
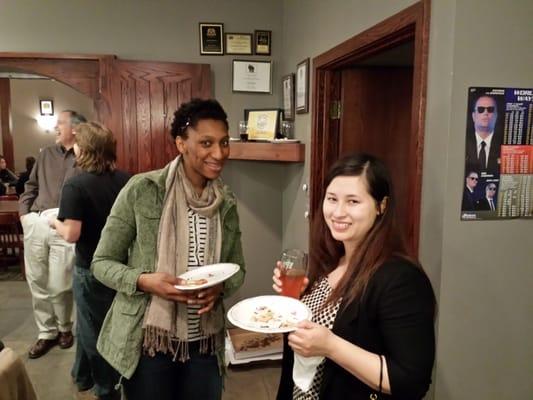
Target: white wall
x=28 y=136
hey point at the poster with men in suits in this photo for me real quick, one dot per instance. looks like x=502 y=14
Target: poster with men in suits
x=498 y=174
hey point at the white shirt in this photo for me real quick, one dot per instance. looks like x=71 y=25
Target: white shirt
x=487 y=141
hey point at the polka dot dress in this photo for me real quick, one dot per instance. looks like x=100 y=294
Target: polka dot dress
x=324 y=317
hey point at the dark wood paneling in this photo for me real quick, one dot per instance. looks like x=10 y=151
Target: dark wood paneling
x=410 y=24
x=5 y=122
x=151 y=92
x=288 y=152
x=377 y=120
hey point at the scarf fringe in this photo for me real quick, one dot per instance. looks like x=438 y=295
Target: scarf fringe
x=157 y=340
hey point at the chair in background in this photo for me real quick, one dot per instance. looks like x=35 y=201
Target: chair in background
x=11 y=197
x=11 y=241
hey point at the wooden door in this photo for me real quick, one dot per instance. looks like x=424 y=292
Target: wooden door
x=376 y=119
x=149 y=93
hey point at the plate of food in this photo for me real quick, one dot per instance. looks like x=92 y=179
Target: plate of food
x=207 y=276
x=269 y=314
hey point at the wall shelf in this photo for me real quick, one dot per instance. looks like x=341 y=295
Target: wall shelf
x=260 y=151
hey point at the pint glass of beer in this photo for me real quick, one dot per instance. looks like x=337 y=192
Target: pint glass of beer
x=293 y=272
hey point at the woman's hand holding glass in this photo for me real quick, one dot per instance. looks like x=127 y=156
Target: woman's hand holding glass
x=278 y=284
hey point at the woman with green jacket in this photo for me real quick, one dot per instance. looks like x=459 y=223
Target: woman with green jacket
x=167 y=343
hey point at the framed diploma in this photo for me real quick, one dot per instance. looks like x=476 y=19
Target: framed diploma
x=302 y=87
x=262 y=124
x=288 y=96
x=211 y=38
x=238 y=43
x=263 y=42
x=252 y=76
x=46 y=107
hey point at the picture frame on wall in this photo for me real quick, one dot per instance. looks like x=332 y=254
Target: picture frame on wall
x=46 y=107
x=263 y=42
x=263 y=124
x=211 y=38
x=252 y=76
x=239 y=43
x=302 y=87
x=287 y=83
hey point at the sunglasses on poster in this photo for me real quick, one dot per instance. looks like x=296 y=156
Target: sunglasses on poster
x=473 y=178
x=481 y=109
x=492 y=188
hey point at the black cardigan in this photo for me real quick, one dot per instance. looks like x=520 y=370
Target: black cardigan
x=394 y=318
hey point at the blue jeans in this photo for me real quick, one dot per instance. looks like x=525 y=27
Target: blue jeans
x=92 y=303
x=161 y=378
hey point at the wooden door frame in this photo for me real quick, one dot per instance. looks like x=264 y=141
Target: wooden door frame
x=411 y=24
x=89 y=74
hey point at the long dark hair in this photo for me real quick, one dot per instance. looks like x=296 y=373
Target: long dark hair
x=382 y=242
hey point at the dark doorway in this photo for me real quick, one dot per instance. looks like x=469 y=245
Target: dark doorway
x=370 y=96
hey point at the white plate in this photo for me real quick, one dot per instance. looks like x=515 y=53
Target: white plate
x=51 y=212
x=213 y=274
x=285 y=311
x=285 y=141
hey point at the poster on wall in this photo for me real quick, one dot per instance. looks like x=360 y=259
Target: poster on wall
x=498 y=174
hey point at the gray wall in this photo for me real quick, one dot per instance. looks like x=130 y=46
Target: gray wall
x=28 y=136
x=167 y=30
x=481 y=271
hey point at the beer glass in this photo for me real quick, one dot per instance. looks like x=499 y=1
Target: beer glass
x=243 y=131
x=293 y=271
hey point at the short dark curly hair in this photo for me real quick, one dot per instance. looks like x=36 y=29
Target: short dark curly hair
x=189 y=114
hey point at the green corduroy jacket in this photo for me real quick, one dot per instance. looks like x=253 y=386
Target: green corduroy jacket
x=127 y=248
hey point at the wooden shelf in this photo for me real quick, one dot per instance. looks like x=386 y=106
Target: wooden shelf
x=259 y=151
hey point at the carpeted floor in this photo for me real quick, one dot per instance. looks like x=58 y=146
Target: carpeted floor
x=10 y=273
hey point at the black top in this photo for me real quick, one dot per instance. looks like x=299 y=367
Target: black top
x=395 y=318
x=7 y=176
x=23 y=178
x=88 y=197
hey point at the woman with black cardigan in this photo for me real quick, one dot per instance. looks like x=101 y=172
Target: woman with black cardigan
x=372 y=331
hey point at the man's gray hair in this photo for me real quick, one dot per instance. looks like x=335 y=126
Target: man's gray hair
x=75 y=118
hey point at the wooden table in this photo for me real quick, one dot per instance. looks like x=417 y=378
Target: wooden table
x=9 y=206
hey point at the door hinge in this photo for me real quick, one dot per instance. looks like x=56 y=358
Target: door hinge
x=335 y=110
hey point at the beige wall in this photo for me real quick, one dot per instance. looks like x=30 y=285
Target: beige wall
x=28 y=136
x=167 y=30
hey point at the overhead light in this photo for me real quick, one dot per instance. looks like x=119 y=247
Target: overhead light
x=46 y=122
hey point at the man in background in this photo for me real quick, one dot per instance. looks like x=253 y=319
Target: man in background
x=49 y=258
x=24 y=176
x=487 y=203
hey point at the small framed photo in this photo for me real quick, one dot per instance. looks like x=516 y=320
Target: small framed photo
x=263 y=43
x=46 y=107
x=239 y=43
x=288 y=96
x=250 y=76
x=211 y=38
x=302 y=87
x=263 y=124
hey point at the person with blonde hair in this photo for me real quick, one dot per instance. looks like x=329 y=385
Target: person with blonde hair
x=86 y=201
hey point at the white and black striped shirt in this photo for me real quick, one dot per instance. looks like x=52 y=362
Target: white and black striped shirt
x=197 y=242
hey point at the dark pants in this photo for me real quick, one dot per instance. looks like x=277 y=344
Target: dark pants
x=161 y=378
x=92 y=303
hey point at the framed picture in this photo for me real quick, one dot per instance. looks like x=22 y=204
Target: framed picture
x=252 y=76
x=238 y=43
x=302 y=87
x=288 y=96
x=263 y=124
x=263 y=42
x=46 y=107
x=211 y=38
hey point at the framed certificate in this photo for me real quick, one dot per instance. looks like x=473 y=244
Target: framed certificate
x=302 y=87
x=263 y=42
x=238 y=43
x=211 y=35
x=46 y=107
x=288 y=96
x=262 y=124
x=252 y=76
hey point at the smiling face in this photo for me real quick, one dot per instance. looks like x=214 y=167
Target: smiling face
x=204 y=151
x=349 y=209
x=64 y=129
